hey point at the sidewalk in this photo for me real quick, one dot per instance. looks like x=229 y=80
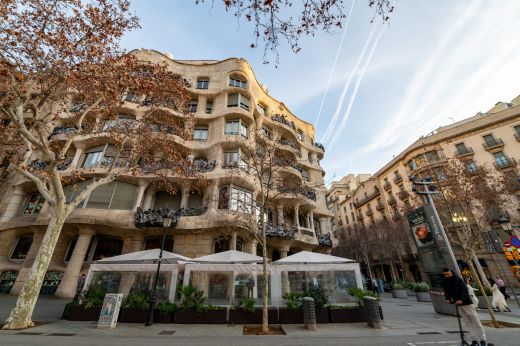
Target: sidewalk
x=402 y=317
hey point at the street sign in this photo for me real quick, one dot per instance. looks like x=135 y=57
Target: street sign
x=507 y=244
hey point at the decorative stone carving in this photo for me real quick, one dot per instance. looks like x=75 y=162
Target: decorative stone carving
x=280 y=231
x=203 y=165
x=282 y=119
x=325 y=240
x=320 y=146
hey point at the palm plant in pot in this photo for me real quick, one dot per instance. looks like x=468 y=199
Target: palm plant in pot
x=399 y=290
x=422 y=292
x=292 y=313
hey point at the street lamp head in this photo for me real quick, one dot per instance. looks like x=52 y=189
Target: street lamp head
x=167 y=221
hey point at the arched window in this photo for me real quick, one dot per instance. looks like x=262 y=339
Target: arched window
x=70 y=249
x=116 y=195
x=221 y=245
x=21 y=248
x=164 y=199
x=33 y=204
x=238 y=82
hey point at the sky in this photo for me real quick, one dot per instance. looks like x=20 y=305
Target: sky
x=433 y=63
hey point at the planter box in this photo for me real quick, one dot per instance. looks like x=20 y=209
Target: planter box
x=239 y=316
x=482 y=302
x=410 y=293
x=423 y=296
x=400 y=294
x=441 y=307
x=322 y=315
x=163 y=318
x=350 y=315
x=133 y=315
x=208 y=317
x=80 y=313
x=288 y=316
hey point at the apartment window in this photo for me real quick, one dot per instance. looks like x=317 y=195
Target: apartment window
x=234 y=158
x=93 y=157
x=116 y=195
x=236 y=100
x=517 y=130
x=501 y=159
x=386 y=180
x=235 y=198
x=299 y=134
x=489 y=139
x=192 y=108
x=432 y=156
x=103 y=247
x=267 y=133
x=471 y=166
x=33 y=204
x=70 y=249
x=209 y=107
x=156 y=243
x=237 y=82
x=200 y=133
x=305 y=176
x=164 y=199
x=344 y=209
x=202 y=83
x=260 y=109
x=461 y=147
x=235 y=127
x=21 y=249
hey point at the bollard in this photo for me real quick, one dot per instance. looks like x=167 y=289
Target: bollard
x=373 y=312
x=309 y=313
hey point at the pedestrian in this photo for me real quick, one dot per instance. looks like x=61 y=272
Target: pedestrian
x=456 y=292
x=499 y=301
x=375 y=288
x=471 y=292
x=502 y=287
x=250 y=284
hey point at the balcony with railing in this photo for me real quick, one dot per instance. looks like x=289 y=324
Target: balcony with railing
x=280 y=231
x=380 y=206
x=367 y=198
x=398 y=178
x=369 y=212
x=392 y=200
x=403 y=195
x=493 y=143
x=463 y=152
x=360 y=217
x=283 y=120
x=387 y=185
x=319 y=146
x=302 y=190
x=325 y=240
x=505 y=162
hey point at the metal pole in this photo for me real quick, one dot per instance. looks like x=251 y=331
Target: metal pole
x=502 y=267
x=443 y=232
x=153 y=295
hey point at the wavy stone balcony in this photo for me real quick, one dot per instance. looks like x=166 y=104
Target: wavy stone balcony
x=325 y=240
x=299 y=190
x=155 y=217
x=280 y=231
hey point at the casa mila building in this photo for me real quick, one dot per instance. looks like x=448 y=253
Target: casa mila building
x=227 y=101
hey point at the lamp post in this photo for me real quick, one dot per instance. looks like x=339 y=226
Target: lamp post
x=167 y=221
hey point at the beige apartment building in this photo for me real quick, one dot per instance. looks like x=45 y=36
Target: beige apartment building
x=491 y=139
x=227 y=100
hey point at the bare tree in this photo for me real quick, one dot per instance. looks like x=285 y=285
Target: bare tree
x=272 y=25
x=63 y=79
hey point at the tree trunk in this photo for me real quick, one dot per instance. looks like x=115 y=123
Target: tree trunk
x=21 y=315
x=484 y=295
x=265 y=316
x=479 y=269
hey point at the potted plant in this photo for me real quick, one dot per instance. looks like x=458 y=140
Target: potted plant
x=192 y=309
x=410 y=288
x=87 y=307
x=439 y=304
x=399 y=290
x=481 y=300
x=349 y=313
x=292 y=313
x=135 y=308
x=422 y=290
x=320 y=302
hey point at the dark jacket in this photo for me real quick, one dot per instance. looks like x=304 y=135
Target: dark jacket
x=455 y=289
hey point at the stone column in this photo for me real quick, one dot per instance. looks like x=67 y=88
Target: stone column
x=296 y=216
x=279 y=215
x=69 y=282
x=140 y=194
x=311 y=220
x=252 y=247
x=28 y=262
x=233 y=241
x=148 y=198
x=185 y=197
x=285 y=276
x=213 y=196
x=323 y=225
x=16 y=197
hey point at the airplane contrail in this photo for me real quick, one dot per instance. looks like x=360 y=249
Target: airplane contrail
x=334 y=64
x=343 y=123
x=334 y=119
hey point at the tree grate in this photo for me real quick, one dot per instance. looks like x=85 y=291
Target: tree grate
x=167 y=332
x=29 y=333
x=427 y=333
x=455 y=331
x=60 y=334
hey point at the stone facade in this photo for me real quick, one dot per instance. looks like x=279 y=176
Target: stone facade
x=491 y=139
x=223 y=92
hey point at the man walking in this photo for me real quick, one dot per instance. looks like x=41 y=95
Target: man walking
x=456 y=292
x=502 y=287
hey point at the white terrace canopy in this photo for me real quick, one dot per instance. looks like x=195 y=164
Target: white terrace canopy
x=134 y=272
x=225 y=276
x=305 y=270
